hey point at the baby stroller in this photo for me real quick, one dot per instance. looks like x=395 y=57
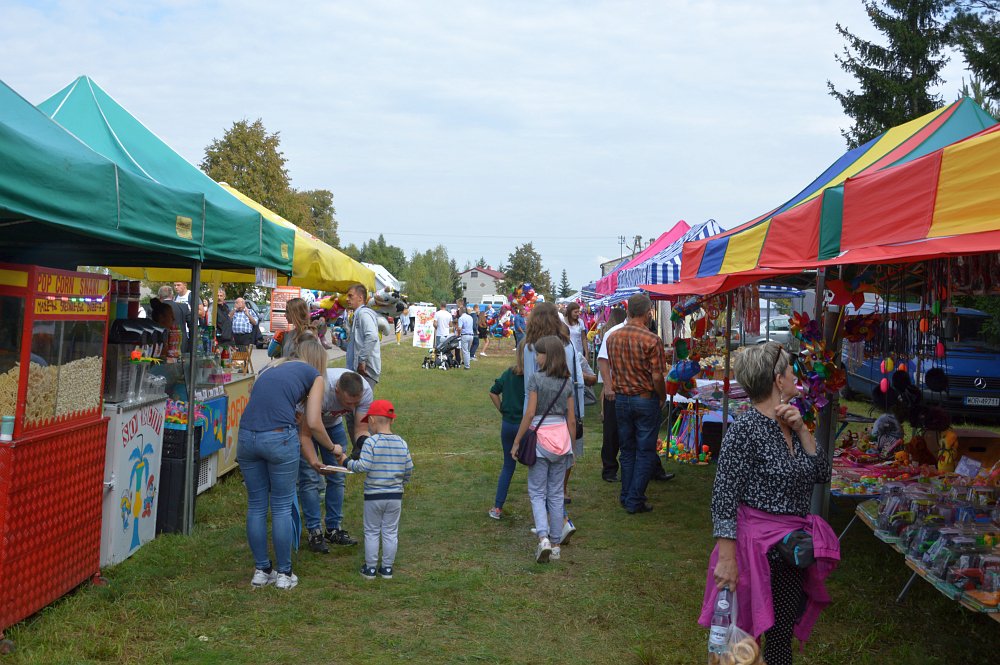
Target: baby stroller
x=445 y=355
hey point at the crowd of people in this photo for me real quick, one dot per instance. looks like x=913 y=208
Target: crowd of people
x=306 y=424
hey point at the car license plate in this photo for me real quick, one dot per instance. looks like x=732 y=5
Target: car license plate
x=982 y=401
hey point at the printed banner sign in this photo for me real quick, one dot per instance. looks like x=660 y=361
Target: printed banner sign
x=423 y=325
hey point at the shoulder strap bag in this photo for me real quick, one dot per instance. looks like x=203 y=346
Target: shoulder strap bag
x=527 y=453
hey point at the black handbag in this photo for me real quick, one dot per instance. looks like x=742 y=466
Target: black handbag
x=796 y=548
x=527 y=452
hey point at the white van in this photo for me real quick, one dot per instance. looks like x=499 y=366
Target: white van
x=494 y=300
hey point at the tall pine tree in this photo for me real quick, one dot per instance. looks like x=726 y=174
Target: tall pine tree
x=894 y=79
x=565 y=290
x=977 y=34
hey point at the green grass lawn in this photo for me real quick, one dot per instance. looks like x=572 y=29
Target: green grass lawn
x=466 y=589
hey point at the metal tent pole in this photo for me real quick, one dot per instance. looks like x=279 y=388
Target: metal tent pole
x=725 y=379
x=190 y=488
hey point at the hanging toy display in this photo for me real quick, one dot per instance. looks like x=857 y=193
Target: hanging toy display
x=681 y=377
x=684 y=308
x=816 y=368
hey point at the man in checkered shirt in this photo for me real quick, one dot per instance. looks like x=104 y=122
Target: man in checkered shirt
x=243 y=323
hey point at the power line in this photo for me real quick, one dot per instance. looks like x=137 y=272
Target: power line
x=466 y=235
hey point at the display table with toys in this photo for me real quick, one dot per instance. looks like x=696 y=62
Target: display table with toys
x=948 y=532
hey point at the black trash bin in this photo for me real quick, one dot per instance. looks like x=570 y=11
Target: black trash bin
x=170 y=502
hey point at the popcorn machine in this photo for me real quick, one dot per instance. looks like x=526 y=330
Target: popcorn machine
x=53 y=336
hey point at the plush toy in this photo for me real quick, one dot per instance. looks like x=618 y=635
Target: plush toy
x=948 y=454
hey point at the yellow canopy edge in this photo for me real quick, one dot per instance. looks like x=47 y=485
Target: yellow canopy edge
x=315 y=264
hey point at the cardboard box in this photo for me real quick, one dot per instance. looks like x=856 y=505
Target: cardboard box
x=979 y=444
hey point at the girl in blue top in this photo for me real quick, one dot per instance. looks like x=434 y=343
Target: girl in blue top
x=268 y=453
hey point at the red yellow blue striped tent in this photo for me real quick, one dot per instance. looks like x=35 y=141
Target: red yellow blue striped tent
x=810 y=224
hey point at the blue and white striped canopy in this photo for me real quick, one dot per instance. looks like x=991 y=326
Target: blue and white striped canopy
x=665 y=266
x=621 y=295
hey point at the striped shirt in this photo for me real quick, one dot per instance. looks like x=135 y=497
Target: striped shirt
x=386 y=459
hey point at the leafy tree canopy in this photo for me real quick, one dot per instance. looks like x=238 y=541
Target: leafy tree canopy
x=248 y=158
x=976 y=33
x=524 y=264
x=432 y=276
x=894 y=79
x=377 y=250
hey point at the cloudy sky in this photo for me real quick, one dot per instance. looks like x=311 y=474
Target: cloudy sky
x=480 y=125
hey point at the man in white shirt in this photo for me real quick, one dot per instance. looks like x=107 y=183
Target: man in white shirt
x=442 y=324
x=610 y=444
x=347 y=394
x=466 y=328
x=182 y=294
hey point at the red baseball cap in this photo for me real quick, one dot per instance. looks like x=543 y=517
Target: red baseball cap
x=380 y=407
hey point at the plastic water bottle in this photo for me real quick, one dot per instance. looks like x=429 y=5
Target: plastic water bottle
x=721 y=619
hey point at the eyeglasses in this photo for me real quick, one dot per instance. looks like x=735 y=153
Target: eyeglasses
x=777 y=359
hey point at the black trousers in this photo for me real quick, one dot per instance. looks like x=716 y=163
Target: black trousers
x=788 y=600
x=609 y=444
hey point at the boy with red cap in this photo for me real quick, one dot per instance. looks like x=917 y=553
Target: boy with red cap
x=386 y=459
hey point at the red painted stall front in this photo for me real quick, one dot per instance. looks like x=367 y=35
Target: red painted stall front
x=53 y=336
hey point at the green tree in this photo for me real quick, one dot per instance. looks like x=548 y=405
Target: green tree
x=321 y=220
x=248 y=158
x=974 y=90
x=976 y=33
x=390 y=257
x=352 y=251
x=565 y=290
x=524 y=264
x=894 y=79
x=432 y=276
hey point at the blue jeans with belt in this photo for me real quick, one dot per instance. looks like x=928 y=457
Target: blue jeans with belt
x=269 y=462
x=638 y=425
x=309 y=484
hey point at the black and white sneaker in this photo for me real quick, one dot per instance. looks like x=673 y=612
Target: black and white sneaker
x=316 y=542
x=385 y=572
x=339 y=537
x=367 y=573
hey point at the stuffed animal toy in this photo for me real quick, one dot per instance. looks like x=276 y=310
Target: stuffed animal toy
x=948 y=455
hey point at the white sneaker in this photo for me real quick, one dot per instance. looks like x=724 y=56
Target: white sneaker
x=286 y=582
x=568 y=530
x=543 y=551
x=533 y=530
x=556 y=553
x=482 y=353
x=262 y=579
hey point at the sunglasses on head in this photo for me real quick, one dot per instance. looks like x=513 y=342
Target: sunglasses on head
x=792 y=360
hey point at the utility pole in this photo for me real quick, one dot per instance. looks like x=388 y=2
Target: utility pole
x=621 y=246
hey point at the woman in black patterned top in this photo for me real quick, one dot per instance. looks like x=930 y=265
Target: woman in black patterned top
x=769 y=463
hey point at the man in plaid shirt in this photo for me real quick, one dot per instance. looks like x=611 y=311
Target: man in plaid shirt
x=638 y=370
x=243 y=323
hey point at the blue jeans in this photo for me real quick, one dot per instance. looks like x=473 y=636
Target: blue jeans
x=309 y=483
x=638 y=425
x=517 y=338
x=475 y=346
x=507 y=433
x=269 y=462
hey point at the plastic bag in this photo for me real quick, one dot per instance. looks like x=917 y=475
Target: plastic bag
x=741 y=648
